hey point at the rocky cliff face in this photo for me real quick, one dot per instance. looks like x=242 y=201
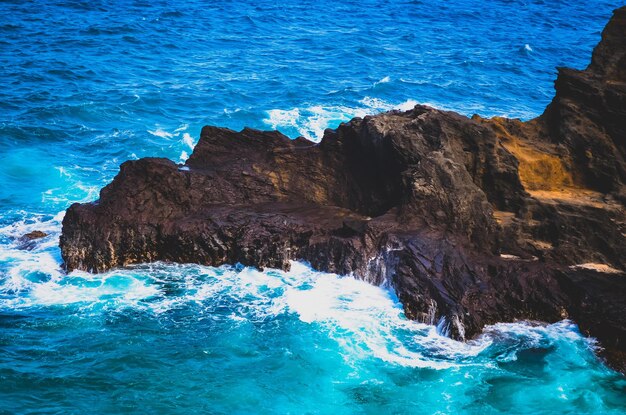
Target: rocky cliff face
x=473 y=221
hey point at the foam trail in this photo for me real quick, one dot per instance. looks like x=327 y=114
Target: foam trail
x=310 y=122
x=188 y=140
x=282 y=118
x=365 y=320
x=159 y=132
x=384 y=80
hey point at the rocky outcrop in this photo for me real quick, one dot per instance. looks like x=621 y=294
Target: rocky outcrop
x=587 y=116
x=471 y=221
x=29 y=240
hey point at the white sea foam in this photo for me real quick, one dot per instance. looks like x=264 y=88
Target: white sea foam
x=362 y=318
x=62 y=171
x=534 y=332
x=33 y=222
x=377 y=105
x=159 y=132
x=25 y=269
x=89 y=289
x=188 y=140
x=283 y=118
x=60 y=196
x=310 y=122
x=365 y=320
x=384 y=80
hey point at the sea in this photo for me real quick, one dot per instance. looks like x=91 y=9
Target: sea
x=86 y=85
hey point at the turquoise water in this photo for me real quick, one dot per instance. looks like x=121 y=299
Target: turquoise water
x=87 y=85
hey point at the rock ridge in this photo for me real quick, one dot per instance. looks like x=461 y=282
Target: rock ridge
x=471 y=221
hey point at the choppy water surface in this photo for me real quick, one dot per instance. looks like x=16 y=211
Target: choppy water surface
x=87 y=85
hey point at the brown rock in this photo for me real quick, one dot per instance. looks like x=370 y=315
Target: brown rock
x=424 y=200
x=34 y=235
x=29 y=240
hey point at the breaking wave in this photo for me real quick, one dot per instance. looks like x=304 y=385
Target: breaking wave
x=310 y=122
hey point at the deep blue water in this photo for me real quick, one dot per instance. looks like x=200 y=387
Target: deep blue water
x=85 y=85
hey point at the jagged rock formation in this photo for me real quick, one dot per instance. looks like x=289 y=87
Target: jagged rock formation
x=472 y=220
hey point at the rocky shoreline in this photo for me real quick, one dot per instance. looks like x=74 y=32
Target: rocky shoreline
x=474 y=221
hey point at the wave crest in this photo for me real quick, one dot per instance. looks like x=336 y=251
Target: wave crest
x=310 y=122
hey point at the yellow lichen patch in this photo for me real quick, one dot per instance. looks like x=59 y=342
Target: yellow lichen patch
x=279 y=181
x=503 y=218
x=319 y=194
x=539 y=170
x=545 y=175
x=276 y=181
x=284 y=183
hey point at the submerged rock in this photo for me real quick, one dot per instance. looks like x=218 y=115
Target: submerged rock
x=33 y=235
x=471 y=221
x=29 y=240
